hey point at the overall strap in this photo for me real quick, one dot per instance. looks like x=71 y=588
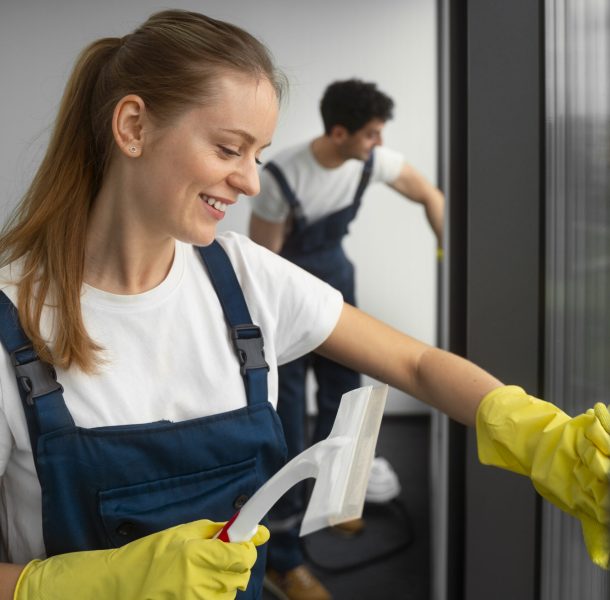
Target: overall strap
x=41 y=394
x=328 y=231
x=367 y=169
x=247 y=337
x=293 y=202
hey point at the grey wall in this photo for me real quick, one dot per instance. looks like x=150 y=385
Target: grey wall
x=315 y=42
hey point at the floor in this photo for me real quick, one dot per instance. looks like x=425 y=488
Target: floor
x=390 y=558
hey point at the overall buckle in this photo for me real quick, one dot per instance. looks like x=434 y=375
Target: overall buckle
x=248 y=342
x=36 y=378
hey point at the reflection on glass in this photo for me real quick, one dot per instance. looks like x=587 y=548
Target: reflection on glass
x=578 y=255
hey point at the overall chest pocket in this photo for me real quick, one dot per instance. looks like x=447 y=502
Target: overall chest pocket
x=133 y=511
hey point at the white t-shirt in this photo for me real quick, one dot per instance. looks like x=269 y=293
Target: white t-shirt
x=169 y=356
x=321 y=191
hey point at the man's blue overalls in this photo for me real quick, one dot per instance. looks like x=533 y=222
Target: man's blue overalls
x=317 y=248
x=106 y=486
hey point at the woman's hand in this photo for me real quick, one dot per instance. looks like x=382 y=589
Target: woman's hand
x=567 y=459
x=182 y=562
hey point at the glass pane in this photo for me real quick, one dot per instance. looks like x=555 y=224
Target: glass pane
x=578 y=256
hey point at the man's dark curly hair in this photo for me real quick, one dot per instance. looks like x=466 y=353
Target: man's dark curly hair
x=353 y=103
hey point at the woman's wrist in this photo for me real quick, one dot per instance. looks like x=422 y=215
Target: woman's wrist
x=9 y=575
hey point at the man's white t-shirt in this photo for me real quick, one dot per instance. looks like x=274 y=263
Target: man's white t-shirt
x=321 y=191
x=168 y=356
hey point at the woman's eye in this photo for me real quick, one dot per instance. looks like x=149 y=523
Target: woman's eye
x=228 y=151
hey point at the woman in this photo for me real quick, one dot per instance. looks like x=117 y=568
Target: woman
x=158 y=410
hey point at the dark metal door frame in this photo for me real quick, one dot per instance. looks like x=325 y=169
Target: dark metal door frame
x=492 y=158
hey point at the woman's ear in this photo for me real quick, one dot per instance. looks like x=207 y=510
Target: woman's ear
x=128 y=125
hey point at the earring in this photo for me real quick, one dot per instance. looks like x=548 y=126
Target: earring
x=133 y=149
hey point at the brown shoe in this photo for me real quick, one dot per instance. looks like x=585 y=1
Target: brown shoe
x=297 y=584
x=349 y=528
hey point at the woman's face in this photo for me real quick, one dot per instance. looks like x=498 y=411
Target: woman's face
x=193 y=170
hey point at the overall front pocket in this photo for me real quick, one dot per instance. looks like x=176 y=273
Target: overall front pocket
x=133 y=511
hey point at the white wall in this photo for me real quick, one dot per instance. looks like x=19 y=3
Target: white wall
x=392 y=42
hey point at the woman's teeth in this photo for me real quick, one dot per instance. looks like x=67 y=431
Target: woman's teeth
x=217 y=204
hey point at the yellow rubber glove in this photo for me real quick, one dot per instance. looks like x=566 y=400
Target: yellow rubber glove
x=179 y=563
x=568 y=459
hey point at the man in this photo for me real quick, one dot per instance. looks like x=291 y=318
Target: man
x=309 y=195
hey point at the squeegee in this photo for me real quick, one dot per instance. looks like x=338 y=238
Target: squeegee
x=340 y=465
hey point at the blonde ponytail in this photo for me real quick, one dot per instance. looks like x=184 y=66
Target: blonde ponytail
x=49 y=227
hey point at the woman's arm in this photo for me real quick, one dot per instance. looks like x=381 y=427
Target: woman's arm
x=185 y=561
x=9 y=574
x=567 y=458
x=444 y=380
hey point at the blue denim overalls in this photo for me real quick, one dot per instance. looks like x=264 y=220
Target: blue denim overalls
x=317 y=248
x=104 y=487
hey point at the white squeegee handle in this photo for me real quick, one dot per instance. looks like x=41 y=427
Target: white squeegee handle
x=242 y=526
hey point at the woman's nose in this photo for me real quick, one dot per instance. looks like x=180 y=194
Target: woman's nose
x=246 y=179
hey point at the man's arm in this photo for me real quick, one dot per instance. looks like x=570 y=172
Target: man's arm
x=414 y=186
x=266 y=233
